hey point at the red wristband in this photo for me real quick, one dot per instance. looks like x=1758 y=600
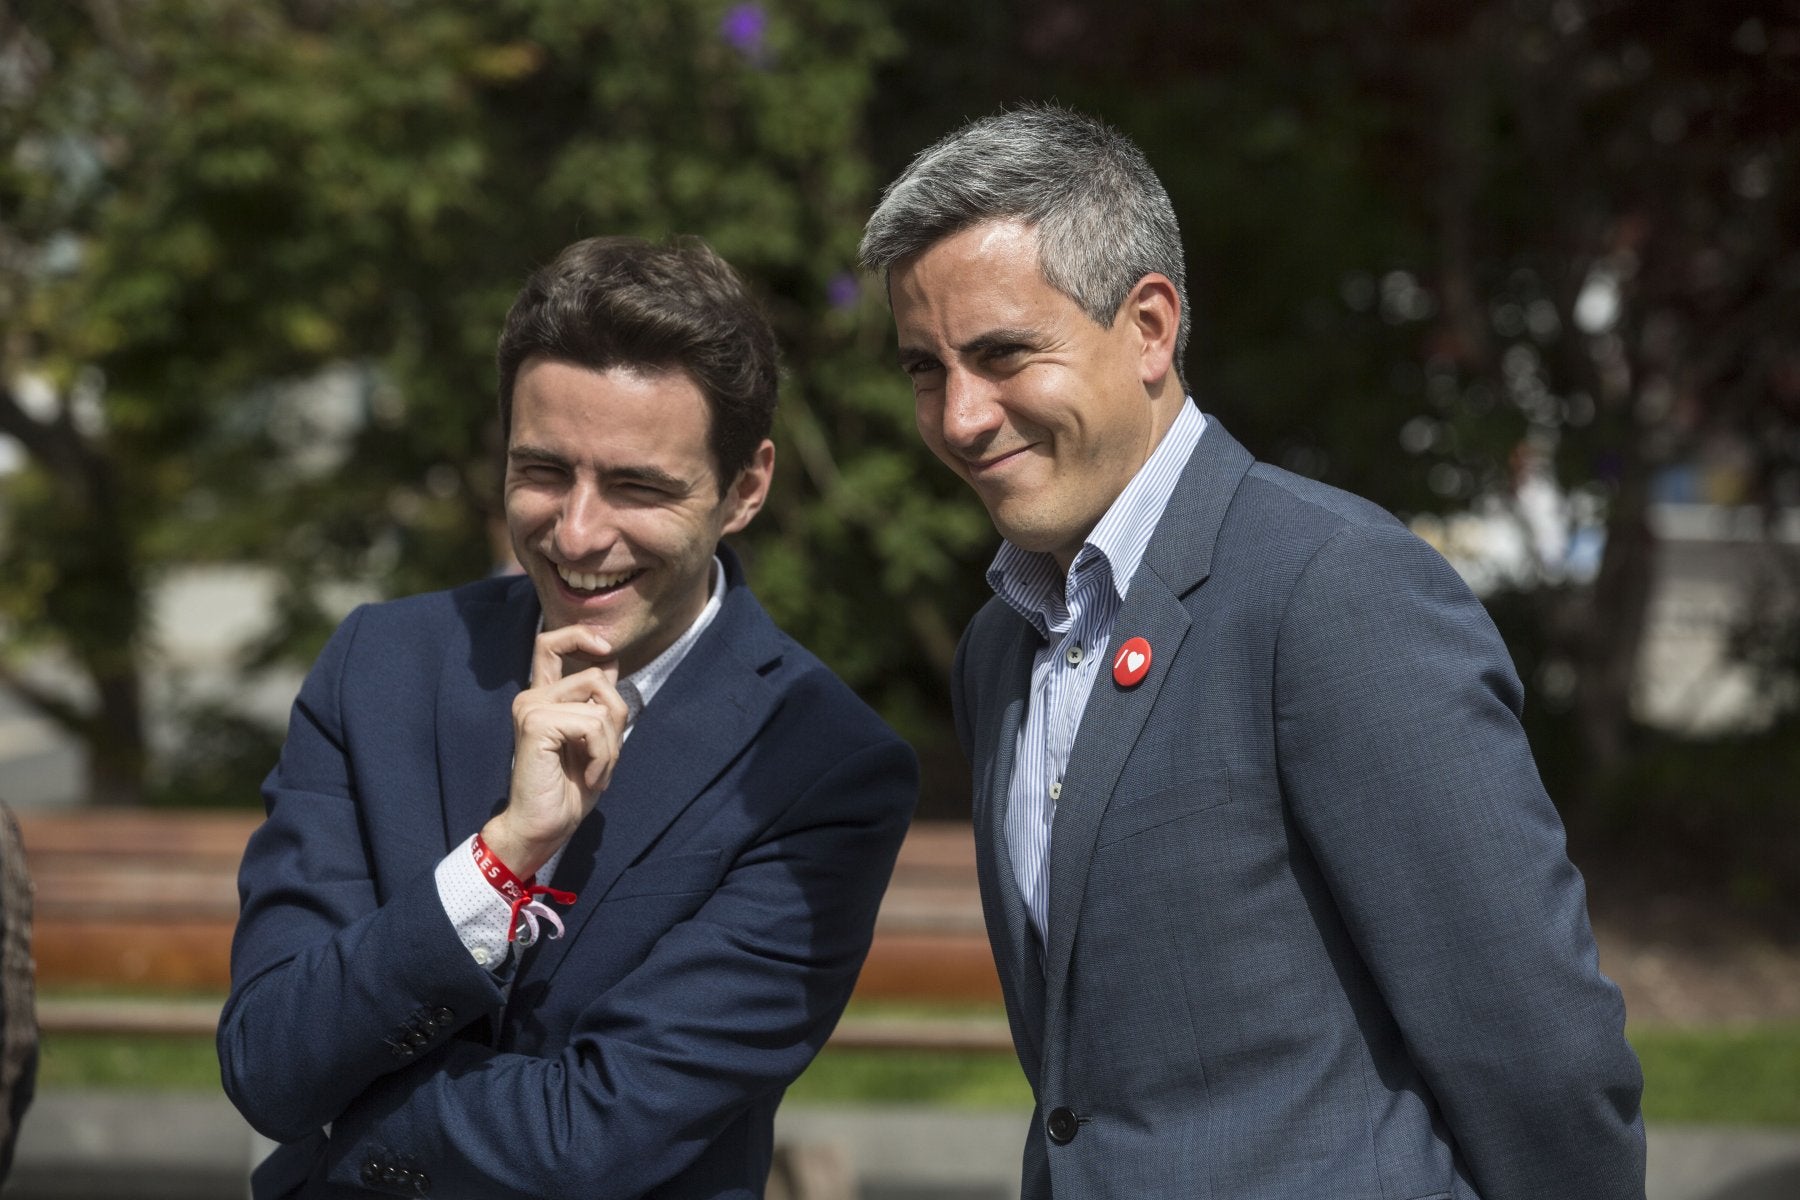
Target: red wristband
x=498 y=873
x=522 y=895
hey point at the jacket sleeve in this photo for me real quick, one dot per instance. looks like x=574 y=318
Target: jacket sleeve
x=728 y=1007
x=1408 y=773
x=332 y=989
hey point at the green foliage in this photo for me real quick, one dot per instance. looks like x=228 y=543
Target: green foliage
x=1719 y=817
x=1736 y=1076
x=264 y=250
x=1435 y=251
x=1390 y=212
x=221 y=765
x=137 y=1063
x=1733 y=1076
x=905 y=1077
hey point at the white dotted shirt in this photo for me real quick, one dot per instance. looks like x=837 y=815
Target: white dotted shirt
x=478 y=912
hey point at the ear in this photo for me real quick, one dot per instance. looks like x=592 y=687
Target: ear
x=744 y=498
x=1154 y=310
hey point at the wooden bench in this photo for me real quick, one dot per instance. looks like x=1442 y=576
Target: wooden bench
x=137 y=899
x=145 y=901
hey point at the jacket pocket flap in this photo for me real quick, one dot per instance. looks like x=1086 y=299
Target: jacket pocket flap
x=1130 y=815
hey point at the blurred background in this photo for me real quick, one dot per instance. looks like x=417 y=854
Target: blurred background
x=1526 y=272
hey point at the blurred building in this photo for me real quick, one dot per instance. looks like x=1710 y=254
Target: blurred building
x=1725 y=606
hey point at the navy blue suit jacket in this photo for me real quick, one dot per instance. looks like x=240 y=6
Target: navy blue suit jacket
x=1312 y=929
x=728 y=882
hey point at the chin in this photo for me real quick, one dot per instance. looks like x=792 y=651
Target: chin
x=1029 y=535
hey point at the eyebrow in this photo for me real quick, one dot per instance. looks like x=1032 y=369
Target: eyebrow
x=635 y=473
x=650 y=475
x=988 y=340
x=998 y=337
x=524 y=452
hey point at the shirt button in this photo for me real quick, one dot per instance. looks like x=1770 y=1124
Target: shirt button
x=1056 y=790
x=1074 y=656
x=482 y=955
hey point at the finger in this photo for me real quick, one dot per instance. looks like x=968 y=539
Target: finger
x=597 y=775
x=552 y=724
x=588 y=754
x=572 y=648
x=595 y=685
x=591 y=741
x=575 y=735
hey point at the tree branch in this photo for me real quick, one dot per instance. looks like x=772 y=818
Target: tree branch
x=62 y=712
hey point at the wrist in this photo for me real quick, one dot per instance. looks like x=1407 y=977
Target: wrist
x=520 y=855
x=525 y=897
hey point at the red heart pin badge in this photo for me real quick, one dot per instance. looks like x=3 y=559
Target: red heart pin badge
x=1132 y=662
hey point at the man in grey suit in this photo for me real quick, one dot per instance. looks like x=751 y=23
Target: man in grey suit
x=1279 y=904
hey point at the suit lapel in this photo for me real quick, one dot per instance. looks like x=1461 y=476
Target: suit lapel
x=703 y=717
x=476 y=686
x=1017 y=956
x=1177 y=560
x=1110 y=725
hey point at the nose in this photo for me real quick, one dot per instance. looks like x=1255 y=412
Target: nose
x=971 y=409
x=585 y=525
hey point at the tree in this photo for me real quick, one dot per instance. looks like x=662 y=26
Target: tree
x=1622 y=178
x=1438 y=250
x=228 y=220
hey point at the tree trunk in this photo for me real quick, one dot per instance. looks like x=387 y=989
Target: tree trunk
x=84 y=540
x=117 y=748
x=1617 y=614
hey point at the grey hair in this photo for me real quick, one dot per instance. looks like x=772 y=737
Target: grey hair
x=1102 y=218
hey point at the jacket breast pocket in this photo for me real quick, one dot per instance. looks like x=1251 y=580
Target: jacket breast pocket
x=669 y=875
x=1128 y=816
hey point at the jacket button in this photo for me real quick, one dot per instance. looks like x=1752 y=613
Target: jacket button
x=442 y=1017
x=418 y=1039
x=371 y=1172
x=1061 y=1126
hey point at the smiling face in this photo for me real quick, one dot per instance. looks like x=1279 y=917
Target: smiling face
x=613 y=501
x=1044 y=412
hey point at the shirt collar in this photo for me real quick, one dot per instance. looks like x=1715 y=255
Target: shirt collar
x=640 y=687
x=1031 y=582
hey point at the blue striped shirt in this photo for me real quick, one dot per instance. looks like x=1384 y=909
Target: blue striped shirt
x=1074 y=617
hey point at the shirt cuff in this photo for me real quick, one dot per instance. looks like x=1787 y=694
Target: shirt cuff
x=479 y=913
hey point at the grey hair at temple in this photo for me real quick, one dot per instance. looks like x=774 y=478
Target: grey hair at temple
x=1102 y=218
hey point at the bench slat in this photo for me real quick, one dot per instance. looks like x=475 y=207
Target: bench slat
x=148 y=899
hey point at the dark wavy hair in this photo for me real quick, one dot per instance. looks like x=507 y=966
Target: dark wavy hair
x=609 y=302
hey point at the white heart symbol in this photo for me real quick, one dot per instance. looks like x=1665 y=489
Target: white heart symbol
x=1133 y=661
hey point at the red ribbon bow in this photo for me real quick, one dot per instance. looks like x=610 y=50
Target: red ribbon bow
x=530 y=908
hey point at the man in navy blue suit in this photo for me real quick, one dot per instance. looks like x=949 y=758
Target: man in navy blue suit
x=566 y=876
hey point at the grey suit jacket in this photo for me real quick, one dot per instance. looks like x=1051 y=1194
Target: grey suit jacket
x=1313 y=933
